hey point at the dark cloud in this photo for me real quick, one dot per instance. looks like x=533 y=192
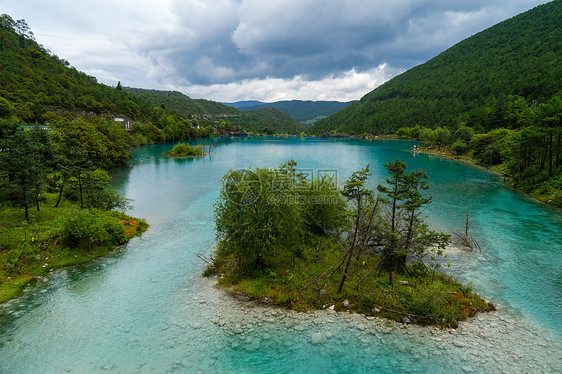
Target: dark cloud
x=212 y=45
x=282 y=39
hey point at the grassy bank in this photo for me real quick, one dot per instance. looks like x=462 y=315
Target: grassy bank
x=55 y=238
x=423 y=298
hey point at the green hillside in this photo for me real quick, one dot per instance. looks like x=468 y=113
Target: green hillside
x=37 y=87
x=256 y=121
x=308 y=112
x=267 y=121
x=181 y=103
x=34 y=81
x=519 y=56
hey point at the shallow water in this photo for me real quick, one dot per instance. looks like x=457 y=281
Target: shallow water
x=145 y=307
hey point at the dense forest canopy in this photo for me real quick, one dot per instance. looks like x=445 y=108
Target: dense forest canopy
x=520 y=56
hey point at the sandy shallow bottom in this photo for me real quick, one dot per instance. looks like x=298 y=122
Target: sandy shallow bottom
x=496 y=342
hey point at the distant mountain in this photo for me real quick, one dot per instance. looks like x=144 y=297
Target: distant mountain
x=257 y=121
x=243 y=104
x=520 y=56
x=183 y=104
x=307 y=112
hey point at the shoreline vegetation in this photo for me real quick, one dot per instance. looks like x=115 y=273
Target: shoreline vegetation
x=57 y=206
x=307 y=245
x=55 y=238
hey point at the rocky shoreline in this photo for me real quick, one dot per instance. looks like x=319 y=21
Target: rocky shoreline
x=493 y=342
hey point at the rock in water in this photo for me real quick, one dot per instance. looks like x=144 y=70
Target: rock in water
x=318 y=338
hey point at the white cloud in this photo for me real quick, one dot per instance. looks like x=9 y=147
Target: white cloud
x=350 y=85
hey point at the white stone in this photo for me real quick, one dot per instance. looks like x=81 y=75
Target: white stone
x=318 y=338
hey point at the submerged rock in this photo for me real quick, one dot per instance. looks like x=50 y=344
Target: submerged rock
x=318 y=338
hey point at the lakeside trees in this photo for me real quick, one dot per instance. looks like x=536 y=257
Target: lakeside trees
x=518 y=138
x=70 y=160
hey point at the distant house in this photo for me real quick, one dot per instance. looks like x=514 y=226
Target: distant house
x=43 y=127
x=125 y=121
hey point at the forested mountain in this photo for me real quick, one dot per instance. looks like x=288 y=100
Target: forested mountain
x=34 y=81
x=267 y=121
x=36 y=86
x=308 y=112
x=181 y=103
x=520 y=56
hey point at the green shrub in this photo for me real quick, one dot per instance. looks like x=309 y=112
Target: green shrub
x=459 y=147
x=184 y=149
x=428 y=303
x=85 y=228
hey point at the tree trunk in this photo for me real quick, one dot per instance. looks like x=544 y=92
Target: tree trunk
x=543 y=156
x=518 y=168
x=60 y=195
x=550 y=156
x=25 y=202
x=81 y=192
x=558 y=152
x=350 y=254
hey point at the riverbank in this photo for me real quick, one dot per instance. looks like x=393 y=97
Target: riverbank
x=57 y=238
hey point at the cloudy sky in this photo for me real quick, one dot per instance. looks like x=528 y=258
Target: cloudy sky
x=268 y=50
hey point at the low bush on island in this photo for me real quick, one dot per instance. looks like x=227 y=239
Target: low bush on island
x=288 y=240
x=186 y=150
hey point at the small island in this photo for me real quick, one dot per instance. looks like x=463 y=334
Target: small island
x=186 y=150
x=302 y=243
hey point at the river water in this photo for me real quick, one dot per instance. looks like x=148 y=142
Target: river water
x=145 y=308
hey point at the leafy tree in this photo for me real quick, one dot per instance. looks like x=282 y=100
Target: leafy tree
x=404 y=232
x=427 y=138
x=23 y=168
x=6 y=108
x=463 y=134
x=550 y=114
x=253 y=222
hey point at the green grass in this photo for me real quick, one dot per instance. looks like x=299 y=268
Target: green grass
x=31 y=250
x=440 y=300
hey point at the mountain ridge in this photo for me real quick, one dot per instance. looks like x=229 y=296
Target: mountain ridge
x=519 y=56
x=305 y=111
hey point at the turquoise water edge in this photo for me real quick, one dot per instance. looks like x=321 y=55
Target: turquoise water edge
x=146 y=308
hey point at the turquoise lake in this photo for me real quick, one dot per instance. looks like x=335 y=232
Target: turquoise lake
x=146 y=308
